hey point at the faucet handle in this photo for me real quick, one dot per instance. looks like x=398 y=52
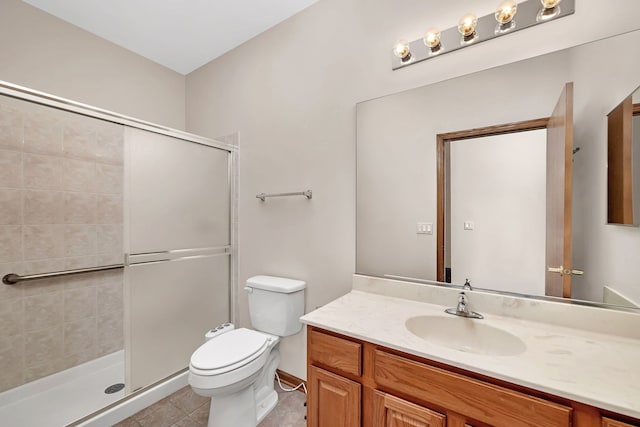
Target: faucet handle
x=462 y=310
x=467 y=285
x=462 y=304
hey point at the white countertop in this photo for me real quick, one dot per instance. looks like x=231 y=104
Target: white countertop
x=592 y=368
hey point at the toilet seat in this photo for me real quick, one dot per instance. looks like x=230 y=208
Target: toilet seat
x=229 y=351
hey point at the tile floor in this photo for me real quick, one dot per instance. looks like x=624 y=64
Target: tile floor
x=184 y=408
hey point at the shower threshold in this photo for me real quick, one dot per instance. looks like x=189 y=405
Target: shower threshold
x=63 y=397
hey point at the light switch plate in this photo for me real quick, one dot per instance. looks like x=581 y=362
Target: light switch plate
x=424 y=228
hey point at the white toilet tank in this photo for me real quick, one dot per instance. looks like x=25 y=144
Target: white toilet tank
x=276 y=304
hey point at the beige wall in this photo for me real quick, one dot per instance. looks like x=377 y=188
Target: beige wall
x=45 y=53
x=291 y=95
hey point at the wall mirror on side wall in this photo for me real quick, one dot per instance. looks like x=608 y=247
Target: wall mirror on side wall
x=402 y=206
x=623 y=161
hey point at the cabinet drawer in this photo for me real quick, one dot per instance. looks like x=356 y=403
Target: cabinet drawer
x=467 y=396
x=335 y=353
x=608 y=422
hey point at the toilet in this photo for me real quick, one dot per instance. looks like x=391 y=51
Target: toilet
x=237 y=368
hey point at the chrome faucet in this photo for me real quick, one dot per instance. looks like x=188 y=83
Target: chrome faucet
x=461 y=309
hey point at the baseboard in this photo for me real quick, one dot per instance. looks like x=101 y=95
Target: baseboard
x=290 y=380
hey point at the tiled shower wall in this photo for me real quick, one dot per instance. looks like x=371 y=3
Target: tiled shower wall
x=61 y=185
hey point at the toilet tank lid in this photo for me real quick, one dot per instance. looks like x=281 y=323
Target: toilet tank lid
x=276 y=284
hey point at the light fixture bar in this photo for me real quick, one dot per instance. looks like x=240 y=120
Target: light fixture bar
x=530 y=13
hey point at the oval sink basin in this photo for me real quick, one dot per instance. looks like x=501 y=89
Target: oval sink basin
x=468 y=335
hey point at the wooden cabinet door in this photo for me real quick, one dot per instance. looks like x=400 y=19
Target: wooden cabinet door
x=391 y=411
x=333 y=401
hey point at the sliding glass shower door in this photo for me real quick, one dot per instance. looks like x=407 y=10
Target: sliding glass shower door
x=177 y=237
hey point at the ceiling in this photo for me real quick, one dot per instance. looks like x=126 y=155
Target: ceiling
x=180 y=34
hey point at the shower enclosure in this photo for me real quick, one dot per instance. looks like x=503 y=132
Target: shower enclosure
x=82 y=188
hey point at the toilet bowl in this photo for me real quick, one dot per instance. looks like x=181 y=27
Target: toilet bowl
x=236 y=369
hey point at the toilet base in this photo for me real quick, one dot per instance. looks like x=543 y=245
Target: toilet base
x=237 y=410
x=248 y=406
x=240 y=409
x=265 y=394
x=266 y=405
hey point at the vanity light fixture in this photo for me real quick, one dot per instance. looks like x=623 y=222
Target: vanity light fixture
x=467 y=27
x=432 y=41
x=550 y=9
x=508 y=17
x=402 y=50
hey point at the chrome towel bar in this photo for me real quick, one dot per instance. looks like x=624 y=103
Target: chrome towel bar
x=308 y=194
x=12 y=279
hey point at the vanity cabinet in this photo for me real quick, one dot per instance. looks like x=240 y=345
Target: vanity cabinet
x=353 y=382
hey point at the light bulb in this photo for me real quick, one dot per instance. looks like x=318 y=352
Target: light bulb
x=506 y=11
x=467 y=24
x=402 y=51
x=549 y=4
x=432 y=38
x=550 y=9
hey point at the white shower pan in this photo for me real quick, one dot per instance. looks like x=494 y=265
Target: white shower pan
x=64 y=397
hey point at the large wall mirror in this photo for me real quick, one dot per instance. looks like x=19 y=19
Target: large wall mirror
x=493 y=190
